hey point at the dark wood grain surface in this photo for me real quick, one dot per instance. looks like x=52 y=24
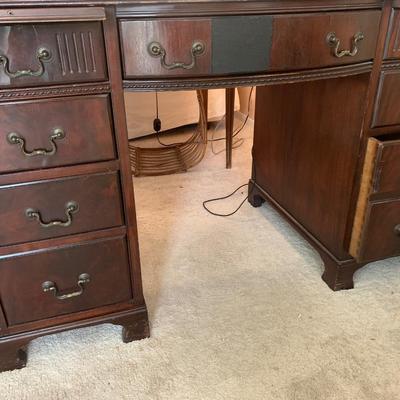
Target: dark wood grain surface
x=225 y=3
x=393 y=45
x=387 y=110
x=300 y=41
x=85 y=121
x=176 y=37
x=380 y=237
x=305 y=151
x=386 y=178
x=21 y=278
x=76 y=53
x=98 y=197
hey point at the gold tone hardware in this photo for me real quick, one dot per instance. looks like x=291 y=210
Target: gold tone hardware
x=42 y=55
x=155 y=49
x=334 y=42
x=15 y=138
x=50 y=286
x=70 y=208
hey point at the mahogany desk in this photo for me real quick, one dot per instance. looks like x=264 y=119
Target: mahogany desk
x=326 y=144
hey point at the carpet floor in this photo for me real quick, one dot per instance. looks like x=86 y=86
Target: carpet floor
x=237 y=308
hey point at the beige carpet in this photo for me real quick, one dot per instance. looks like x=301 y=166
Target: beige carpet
x=237 y=310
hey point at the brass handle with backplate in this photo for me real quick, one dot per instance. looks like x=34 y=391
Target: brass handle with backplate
x=155 y=49
x=334 y=42
x=71 y=207
x=42 y=55
x=15 y=138
x=50 y=286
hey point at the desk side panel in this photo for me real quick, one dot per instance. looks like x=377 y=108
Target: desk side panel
x=306 y=146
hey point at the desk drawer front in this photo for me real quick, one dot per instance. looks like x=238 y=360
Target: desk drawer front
x=245 y=44
x=380 y=236
x=80 y=204
x=393 y=40
x=320 y=40
x=22 y=280
x=386 y=169
x=178 y=39
x=41 y=54
x=376 y=229
x=387 y=110
x=28 y=133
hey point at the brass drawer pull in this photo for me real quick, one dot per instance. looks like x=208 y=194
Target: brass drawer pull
x=71 y=207
x=50 y=286
x=15 y=138
x=334 y=42
x=42 y=55
x=155 y=49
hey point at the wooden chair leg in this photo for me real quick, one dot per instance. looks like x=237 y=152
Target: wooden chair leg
x=230 y=113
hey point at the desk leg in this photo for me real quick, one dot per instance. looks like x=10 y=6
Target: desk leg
x=205 y=101
x=230 y=113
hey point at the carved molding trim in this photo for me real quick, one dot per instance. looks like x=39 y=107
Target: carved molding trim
x=390 y=66
x=198 y=7
x=173 y=9
x=251 y=80
x=56 y=91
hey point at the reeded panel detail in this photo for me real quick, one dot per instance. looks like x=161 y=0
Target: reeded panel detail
x=76 y=52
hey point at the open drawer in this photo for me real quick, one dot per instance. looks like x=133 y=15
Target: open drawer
x=376 y=229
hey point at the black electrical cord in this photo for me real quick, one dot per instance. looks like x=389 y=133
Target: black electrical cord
x=223 y=198
x=157 y=126
x=230 y=195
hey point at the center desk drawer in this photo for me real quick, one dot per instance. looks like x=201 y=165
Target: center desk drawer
x=51 y=282
x=53 y=208
x=51 y=133
x=41 y=54
x=245 y=44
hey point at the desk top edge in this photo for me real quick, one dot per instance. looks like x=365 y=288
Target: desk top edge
x=225 y=3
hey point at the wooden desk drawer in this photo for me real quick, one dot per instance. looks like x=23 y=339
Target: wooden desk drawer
x=377 y=214
x=393 y=41
x=244 y=44
x=42 y=54
x=380 y=233
x=387 y=110
x=311 y=41
x=79 y=204
x=66 y=131
x=22 y=277
x=178 y=37
x=386 y=164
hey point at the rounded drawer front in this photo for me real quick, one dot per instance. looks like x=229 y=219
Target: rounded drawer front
x=322 y=40
x=380 y=236
x=59 y=207
x=41 y=54
x=51 y=282
x=166 y=47
x=51 y=133
x=246 y=44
